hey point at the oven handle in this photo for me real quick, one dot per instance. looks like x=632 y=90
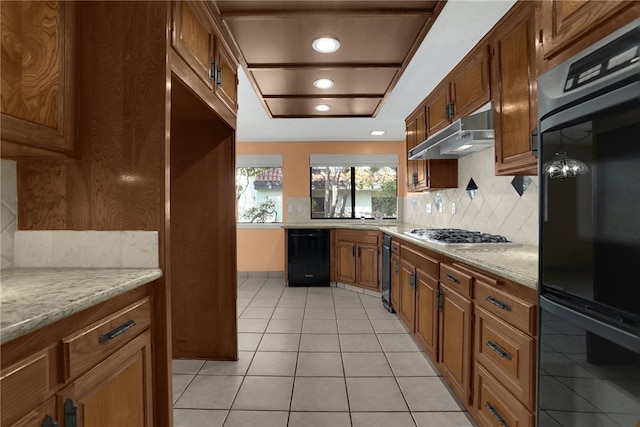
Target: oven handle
x=592 y=324
x=589 y=106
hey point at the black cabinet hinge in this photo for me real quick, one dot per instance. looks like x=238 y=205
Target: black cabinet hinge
x=439 y=299
x=213 y=72
x=412 y=280
x=49 y=422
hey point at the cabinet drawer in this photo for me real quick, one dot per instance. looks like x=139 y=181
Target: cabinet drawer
x=494 y=406
x=507 y=353
x=518 y=312
x=24 y=386
x=456 y=279
x=90 y=345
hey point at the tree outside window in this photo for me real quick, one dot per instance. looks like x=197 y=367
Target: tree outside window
x=353 y=192
x=259 y=194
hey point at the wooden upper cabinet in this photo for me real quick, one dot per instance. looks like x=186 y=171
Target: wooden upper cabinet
x=436 y=104
x=574 y=25
x=193 y=39
x=427 y=174
x=513 y=90
x=197 y=40
x=226 y=74
x=37 y=77
x=464 y=90
x=416 y=169
x=470 y=83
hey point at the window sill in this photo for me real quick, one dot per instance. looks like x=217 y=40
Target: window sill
x=264 y=225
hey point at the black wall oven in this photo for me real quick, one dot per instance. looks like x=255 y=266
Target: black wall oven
x=589 y=352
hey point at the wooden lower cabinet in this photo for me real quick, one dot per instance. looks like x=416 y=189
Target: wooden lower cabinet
x=357 y=258
x=395 y=281
x=427 y=313
x=407 y=307
x=117 y=392
x=494 y=406
x=508 y=354
x=92 y=369
x=455 y=342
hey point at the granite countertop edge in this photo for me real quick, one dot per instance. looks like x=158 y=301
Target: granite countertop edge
x=522 y=270
x=31 y=298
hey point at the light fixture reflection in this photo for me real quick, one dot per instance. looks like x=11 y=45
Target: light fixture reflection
x=562 y=166
x=322 y=107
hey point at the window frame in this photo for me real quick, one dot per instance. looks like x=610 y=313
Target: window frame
x=353 y=194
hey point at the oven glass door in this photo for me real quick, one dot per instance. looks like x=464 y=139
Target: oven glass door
x=590 y=223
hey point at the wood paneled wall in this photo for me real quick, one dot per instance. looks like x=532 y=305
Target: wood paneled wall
x=116 y=179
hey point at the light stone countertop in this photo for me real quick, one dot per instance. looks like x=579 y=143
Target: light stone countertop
x=516 y=263
x=31 y=298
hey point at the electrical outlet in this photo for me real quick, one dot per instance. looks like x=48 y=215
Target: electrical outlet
x=428 y=208
x=453 y=208
x=299 y=209
x=290 y=208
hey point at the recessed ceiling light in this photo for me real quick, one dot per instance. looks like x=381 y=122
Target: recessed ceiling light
x=378 y=132
x=323 y=83
x=326 y=44
x=322 y=107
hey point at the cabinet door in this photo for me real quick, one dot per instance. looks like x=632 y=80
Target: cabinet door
x=226 y=73
x=421 y=165
x=427 y=313
x=470 y=83
x=407 y=295
x=567 y=22
x=37 y=75
x=117 y=392
x=367 y=266
x=442 y=173
x=193 y=39
x=411 y=138
x=346 y=268
x=436 y=108
x=395 y=282
x=455 y=342
x=513 y=63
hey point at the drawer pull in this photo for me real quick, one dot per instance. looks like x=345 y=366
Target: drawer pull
x=117 y=331
x=499 y=350
x=452 y=278
x=499 y=303
x=496 y=414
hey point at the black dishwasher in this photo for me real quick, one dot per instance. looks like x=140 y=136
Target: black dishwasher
x=308 y=257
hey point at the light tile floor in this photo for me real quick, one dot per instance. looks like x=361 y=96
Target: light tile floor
x=314 y=357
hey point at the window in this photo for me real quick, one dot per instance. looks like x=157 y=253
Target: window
x=259 y=189
x=339 y=191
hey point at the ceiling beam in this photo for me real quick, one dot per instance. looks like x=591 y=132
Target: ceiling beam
x=323 y=66
x=352 y=13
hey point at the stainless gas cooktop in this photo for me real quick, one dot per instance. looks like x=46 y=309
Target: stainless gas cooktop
x=456 y=237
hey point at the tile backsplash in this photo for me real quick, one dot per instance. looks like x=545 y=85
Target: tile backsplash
x=86 y=249
x=496 y=208
x=9 y=214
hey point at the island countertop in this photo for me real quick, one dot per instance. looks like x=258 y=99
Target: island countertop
x=31 y=298
x=518 y=263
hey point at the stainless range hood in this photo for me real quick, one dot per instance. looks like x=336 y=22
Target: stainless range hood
x=464 y=136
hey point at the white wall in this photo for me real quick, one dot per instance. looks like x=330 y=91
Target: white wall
x=496 y=208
